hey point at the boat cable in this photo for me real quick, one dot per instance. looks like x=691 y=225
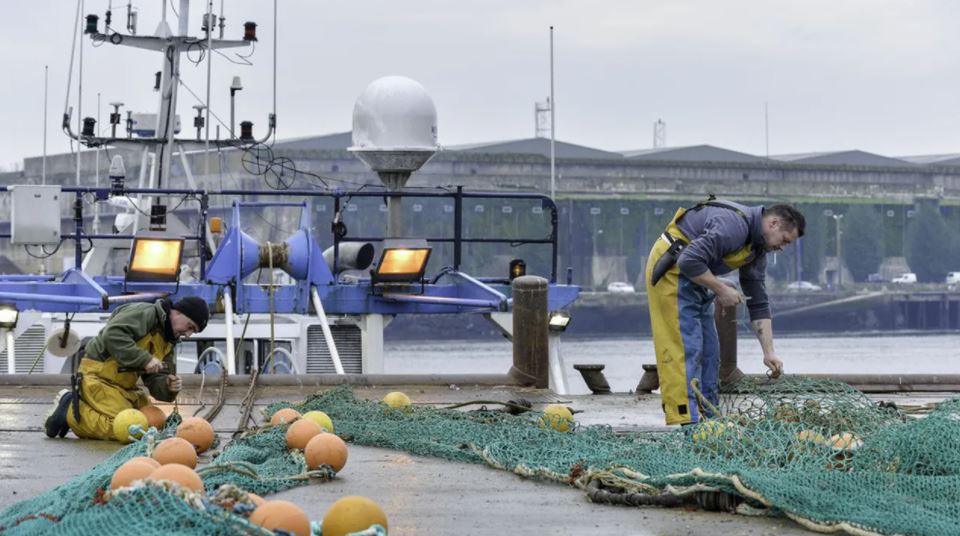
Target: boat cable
x=246 y=405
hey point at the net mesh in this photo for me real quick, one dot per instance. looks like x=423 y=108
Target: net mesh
x=818 y=452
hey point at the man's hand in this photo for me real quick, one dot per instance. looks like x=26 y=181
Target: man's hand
x=174 y=383
x=728 y=295
x=153 y=366
x=775 y=366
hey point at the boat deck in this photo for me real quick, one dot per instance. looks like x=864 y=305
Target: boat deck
x=421 y=496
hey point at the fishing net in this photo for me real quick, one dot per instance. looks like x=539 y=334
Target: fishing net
x=818 y=452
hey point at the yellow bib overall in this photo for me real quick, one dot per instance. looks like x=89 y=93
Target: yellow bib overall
x=684 y=332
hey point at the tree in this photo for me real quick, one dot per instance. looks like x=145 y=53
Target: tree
x=862 y=240
x=931 y=248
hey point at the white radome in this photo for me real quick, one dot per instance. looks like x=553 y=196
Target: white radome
x=394 y=113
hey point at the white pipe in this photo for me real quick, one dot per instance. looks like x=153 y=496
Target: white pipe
x=325 y=326
x=228 y=320
x=558 y=382
x=11 y=354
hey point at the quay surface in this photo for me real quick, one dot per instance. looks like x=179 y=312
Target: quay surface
x=421 y=496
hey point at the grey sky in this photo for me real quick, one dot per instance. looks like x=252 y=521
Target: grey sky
x=882 y=76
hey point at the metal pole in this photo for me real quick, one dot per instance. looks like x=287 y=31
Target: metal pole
x=206 y=153
x=228 y=324
x=79 y=102
x=837 y=218
x=325 y=326
x=46 y=69
x=11 y=353
x=553 y=130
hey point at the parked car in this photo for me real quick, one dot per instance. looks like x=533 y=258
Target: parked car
x=874 y=278
x=905 y=279
x=801 y=286
x=620 y=287
x=953 y=278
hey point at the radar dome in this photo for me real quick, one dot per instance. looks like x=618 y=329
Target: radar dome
x=394 y=125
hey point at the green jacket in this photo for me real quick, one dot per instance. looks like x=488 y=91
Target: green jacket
x=134 y=334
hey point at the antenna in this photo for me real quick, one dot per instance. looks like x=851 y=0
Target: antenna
x=541 y=118
x=659 y=134
x=766 y=127
x=46 y=69
x=553 y=130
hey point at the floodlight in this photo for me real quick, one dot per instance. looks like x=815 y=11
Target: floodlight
x=517 y=268
x=155 y=259
x=401 y=265
x=559 y=320
x=8 y=316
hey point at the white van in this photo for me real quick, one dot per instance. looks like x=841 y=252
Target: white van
x=907 y=279
x=953 y=278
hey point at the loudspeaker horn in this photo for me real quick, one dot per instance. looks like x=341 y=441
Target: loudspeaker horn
x=63 y=346
x=353 y=256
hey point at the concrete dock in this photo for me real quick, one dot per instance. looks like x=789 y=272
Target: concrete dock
x=421 y=496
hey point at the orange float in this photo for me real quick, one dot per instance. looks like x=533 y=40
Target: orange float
x=198 y=432
x=326 y=449
x=283 y=515
x=130 y=472
x=175 y=450
x=284 y=416
x=181 y=474
x=301 y=432
x=155 y=416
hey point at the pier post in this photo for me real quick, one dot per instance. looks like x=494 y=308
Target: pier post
x=530 y=336
x=726 y=320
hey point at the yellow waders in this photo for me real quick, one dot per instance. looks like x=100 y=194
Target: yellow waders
x=105 y=391
x=684 y=332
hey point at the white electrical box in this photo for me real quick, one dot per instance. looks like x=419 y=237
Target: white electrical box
x=35 y=215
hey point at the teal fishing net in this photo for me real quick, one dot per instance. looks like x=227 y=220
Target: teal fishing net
x=818 y=452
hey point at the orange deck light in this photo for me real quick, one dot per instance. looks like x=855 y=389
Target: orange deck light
x=155 y=259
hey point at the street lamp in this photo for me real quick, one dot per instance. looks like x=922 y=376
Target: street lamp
x=837 y=218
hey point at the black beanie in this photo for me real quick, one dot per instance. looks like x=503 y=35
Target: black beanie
x=195 y=308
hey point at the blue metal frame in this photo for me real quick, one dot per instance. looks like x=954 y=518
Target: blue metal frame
x=238 y=256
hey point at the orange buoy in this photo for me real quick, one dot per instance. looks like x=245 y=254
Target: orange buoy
x=176 y=450
x=155 y=416
x=153 y=463
x=326 y=449
x=301 y=432
x=181 y=474
x=283 y=515
x=284 y=416
x=130 y=472
x=198 y=432
x=352 y=514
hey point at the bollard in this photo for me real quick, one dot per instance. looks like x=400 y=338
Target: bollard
x=726 y=320
x=594 y=378
x=530 y=343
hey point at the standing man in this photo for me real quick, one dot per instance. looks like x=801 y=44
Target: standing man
x=137 y=343
x=710 y=239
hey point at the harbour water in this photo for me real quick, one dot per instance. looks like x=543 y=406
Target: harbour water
x=623 y=357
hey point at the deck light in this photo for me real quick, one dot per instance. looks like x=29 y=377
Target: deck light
x=517 y=268
x=559 y=320
x=401 y=264
x=155 y=259
x=8 y=316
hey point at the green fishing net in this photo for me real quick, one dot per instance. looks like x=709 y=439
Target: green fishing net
x=818 y=452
